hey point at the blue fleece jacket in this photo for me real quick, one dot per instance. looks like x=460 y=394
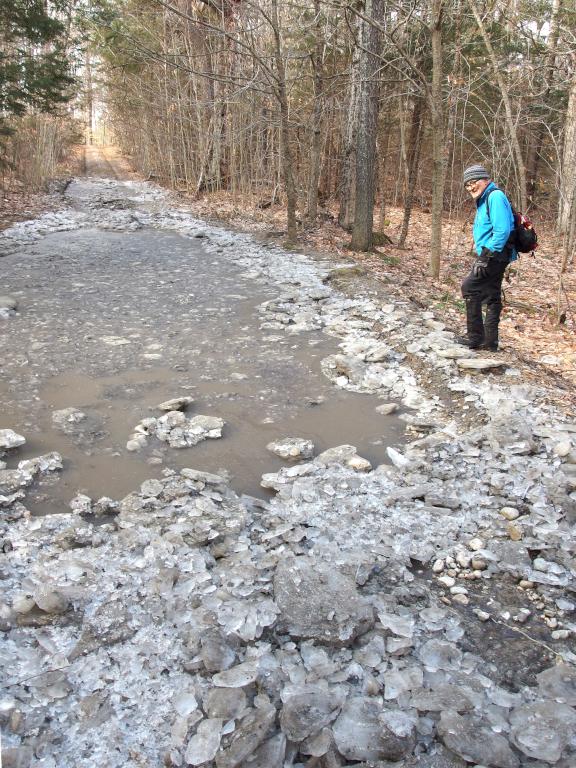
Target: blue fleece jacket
x=492 y=231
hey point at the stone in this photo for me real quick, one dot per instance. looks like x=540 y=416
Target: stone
x=305 y=714
x=10 y=439
x=510 y=513
x=562 y=449
x=543 y=730
x=292 y=448
x=362 y=733
x=176 y=404
x=319 y=602
x=559 y=683
x=446 y=581
x=205 y=743
x=475 y=544
x=480 y=364
x=474 y=742
x=514 y=532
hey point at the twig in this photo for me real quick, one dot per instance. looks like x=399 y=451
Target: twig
x=527 y=636
x=46 y=672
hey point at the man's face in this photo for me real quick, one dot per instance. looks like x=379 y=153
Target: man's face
x=475 y=188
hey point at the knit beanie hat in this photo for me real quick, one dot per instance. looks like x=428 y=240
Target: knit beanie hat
x=475 y=172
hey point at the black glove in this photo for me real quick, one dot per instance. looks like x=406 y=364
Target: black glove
x=480 y=266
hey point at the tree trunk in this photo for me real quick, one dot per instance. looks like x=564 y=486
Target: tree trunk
x=316 y=118
x=437 y=119
x=367 y=126
x=567 y=203
x=286 y=149
x=535 y=150
x=347 y=186
x=413 y=162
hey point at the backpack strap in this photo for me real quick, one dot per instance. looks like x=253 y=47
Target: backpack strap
x=509 y=244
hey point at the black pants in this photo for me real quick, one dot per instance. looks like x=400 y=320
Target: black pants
x=484 y=290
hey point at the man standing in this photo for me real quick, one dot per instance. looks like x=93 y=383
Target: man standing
x=493 y=225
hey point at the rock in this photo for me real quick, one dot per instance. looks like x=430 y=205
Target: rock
x=387 y=408
x=475 y=545
x=509 y=513
x=226 y=703
x=559 y=683
x=249 y=734
x=237 y=677
x=205 y=743
x=10 y=439
x=562 y=449
x=305 y=714
x=292 y=448
x=543 y=730
x=362 y=732
x=446 y=581
x=474 y=742
x=176 y=404
x=319 y=602
x=185 y=704
x=479 y=364
x=514 y=532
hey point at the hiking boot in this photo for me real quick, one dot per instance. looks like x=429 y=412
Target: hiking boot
x=465 y=342
x=493 y=347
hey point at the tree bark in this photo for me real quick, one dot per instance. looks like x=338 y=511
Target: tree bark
x=413 y=162
x=286 y=149
x=347 y=186
x=438 y=158
x=362 y=232
x=316 y=118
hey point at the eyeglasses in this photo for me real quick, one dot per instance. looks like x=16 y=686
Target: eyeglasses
x=471 y=184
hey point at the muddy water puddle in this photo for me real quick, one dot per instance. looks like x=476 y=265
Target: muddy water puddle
x=114 y=323
x=96 y=461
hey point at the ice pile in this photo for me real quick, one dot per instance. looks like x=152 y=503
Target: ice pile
x=176 y=429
